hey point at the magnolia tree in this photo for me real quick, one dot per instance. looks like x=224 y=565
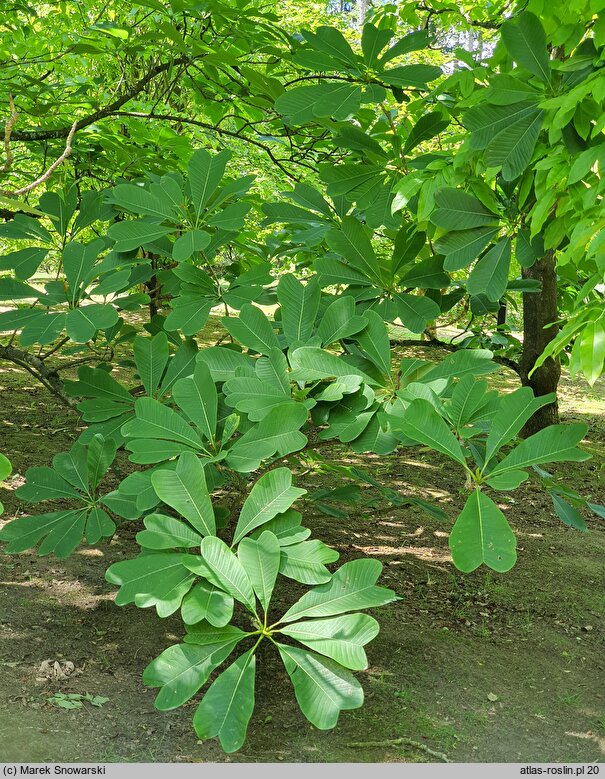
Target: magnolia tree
x=406 y=218
x=201 y=424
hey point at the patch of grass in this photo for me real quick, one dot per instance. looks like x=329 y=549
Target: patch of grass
x=600 y=724
x=405 y=696
x=570 y=699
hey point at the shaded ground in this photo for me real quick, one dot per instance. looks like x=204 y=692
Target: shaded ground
x=482 y=667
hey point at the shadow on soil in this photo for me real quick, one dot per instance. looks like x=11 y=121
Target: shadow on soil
x=480 y=667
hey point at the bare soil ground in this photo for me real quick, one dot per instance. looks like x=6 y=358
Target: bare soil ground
x=480 y=667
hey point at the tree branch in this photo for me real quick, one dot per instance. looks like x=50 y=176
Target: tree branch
x=219 y=131
x=102 y=113
x=51 y=169
x=34 y=365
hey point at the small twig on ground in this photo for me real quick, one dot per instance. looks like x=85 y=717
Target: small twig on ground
x=403 y=741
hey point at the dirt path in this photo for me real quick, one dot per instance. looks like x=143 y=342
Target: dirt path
x=481 y=667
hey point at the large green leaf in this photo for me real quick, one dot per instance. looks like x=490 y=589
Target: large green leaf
x=196 y=395
x=423 y=424
x=151 y=356
x=556 y=443
x=592 y=349
x=428 y=126
x=272 y=494
x=224 y=363
x=473 y=362
x=24 y=262
x=189 y=313
x=481 y=534
x=44 y=329
x=567 y=513
x=163 y=532
x=230 y=218
x=260 y=559
x=426 y=274
x=415 y=310
x=155 y=420
x=332 y=271
x=351 y=588
x=274 y=370
x=457 y=210
x=185 y=490
x=190 y=243
x=159 y=580
x=353 y=244
x=490 y=274
x=278 y=432
x=322 y=687
x=340 y=321
x=286 y=528
x=181 y=365
x=341 y=638
x=45 y=484
x=98 y=525
x=226 y=571
x=374 y=340
x=101 y=454
x=414 y=41
x=486 y=121
x=310 y=363
x=5 y=468
x=411 y=75
x=19 y=318
x=62 y=531
x=11 y=289
x=207 y=602
x=373 y=41
x=78 y=263
x=331 y=41
x=305 y=562
x=205 y=173
x=337 y=100
x=83 y=323
x=347 y=425
x=226 y=708
x=525 y=39
x=137 y=200
x=97 y=383
x=296 y=104
x=461 y=248
x=513 y=412
x=299 y=305
x=376 y=437
x=254 y=396
x=252 y=329
x=470 y=402
x=509 y=480
x=131 y=235
x=513 y=147
x=183 y=668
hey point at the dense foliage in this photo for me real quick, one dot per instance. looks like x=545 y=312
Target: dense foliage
x=417 y=187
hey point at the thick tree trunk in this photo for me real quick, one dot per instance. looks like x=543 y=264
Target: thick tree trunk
x=539 y=311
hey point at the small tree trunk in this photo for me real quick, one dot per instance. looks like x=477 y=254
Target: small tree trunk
x=362 y=13
x=539 y=311
x=153 y=288
x=501 y=320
